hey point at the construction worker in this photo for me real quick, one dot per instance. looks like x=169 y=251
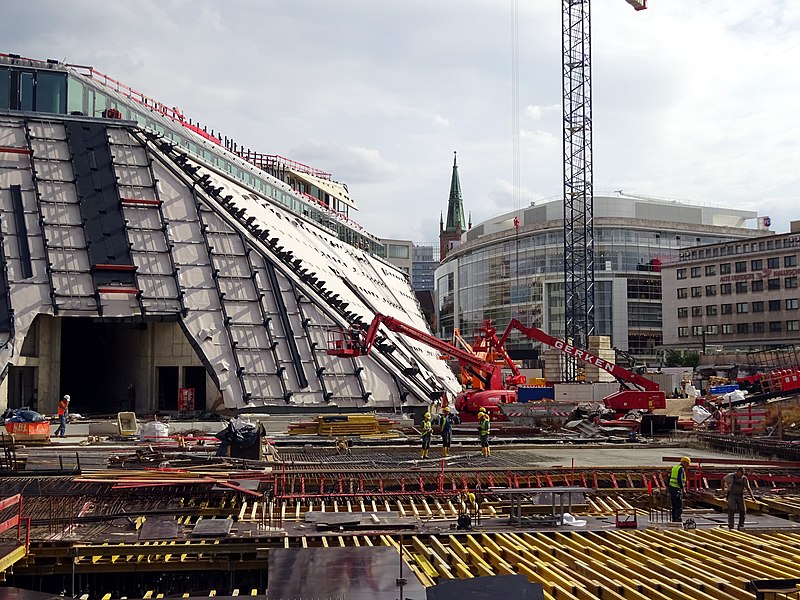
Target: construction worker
x=447 y=430
x=427 y=432
x=677 y=487
x=484 y=428
x=733 y=487
x=63 y=413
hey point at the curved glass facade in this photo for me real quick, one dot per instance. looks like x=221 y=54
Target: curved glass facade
x=500 y=274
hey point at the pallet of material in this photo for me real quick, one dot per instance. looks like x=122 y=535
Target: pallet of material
x=342 y=426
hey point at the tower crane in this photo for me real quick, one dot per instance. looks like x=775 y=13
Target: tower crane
x=576 y=88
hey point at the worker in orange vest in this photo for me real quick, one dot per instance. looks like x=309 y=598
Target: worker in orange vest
x=63 y=413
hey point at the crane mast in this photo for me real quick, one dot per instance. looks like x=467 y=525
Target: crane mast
x=576 y=87
x=578 y=184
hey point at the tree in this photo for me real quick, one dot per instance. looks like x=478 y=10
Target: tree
x=678 y=359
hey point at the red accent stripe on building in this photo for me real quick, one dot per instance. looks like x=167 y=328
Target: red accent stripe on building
x=105 y=267
x=118 y=290
x=10 y=150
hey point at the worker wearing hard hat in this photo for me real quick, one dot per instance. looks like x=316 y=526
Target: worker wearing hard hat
x=427 y=432
x=63 y=415
x=484 y=428
x=677 y=487
x=447 y=430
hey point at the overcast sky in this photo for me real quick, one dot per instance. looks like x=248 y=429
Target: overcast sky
x=692 y=100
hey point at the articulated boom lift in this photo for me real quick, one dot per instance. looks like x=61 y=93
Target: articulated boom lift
x=494 y=390
x=647 y=397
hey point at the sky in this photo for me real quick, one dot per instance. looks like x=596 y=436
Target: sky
x=694 y=101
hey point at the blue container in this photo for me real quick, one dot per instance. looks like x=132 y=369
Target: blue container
x=719 y=390
x=533 y=394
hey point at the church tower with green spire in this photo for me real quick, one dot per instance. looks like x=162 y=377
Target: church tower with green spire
x=450 y=231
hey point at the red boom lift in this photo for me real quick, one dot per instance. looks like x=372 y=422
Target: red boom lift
x=646 y=396
x=494 y=391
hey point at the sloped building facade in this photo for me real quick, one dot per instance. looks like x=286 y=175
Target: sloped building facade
x=136 y=263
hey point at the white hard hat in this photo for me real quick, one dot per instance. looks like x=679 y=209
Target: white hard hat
x=66 y=397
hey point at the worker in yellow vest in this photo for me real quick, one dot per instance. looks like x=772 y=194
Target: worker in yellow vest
x=427 y=432
x=484 y=428
x=677 y=487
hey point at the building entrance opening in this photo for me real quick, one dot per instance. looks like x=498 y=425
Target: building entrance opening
x=167 y=388
x=101 y=364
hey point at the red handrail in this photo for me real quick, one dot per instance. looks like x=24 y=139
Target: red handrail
x=16 y=520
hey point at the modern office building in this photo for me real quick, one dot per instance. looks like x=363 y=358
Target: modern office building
x=732 y=297
x=424 y=262
x=147 y=260
x=499 y=271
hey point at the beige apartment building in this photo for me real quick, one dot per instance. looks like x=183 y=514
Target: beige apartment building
x=736 y=296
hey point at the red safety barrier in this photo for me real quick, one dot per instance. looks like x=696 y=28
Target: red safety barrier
x=16 y=520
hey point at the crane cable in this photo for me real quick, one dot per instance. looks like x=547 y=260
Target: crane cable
x=515 y=183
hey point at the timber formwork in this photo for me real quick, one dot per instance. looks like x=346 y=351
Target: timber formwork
x=135 y=523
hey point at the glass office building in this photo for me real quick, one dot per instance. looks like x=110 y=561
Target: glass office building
x=500 y=273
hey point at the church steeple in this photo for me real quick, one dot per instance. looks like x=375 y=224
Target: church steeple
x=451 y=229
x=455 y=206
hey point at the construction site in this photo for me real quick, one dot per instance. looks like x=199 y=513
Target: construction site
x=216 y=386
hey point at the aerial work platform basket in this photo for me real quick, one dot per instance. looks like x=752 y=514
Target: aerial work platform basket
x=346 y=343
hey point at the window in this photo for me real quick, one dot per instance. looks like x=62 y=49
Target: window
x=727 y=328
x=741 y=266
x=757 y=285
x=711 y=270
x=726 y=309
x=712 y=330
x=697 y=330
x=758 y=327
x=775 y=326
x=697 y=311
x=725 y=288
x=741 y=287
x=756 y=265
x=711 y=310
x=741 y=307
x=791 y=304
x=397 y=251
x=790 y=283
x=742 y=328
x=758 y=306
x=682 y=293
x=792 y=325
x=681 y=273
x=683 y=312
x=725 y=269
x=697 y=292
x=774 y=263
x=774 y=305
x=711 y=290
x=790 y=261
x=695 y=272
x=774 y=284
x=683 y=332
x=42 y=91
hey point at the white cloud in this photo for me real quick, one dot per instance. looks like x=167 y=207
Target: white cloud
x=692 y=100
